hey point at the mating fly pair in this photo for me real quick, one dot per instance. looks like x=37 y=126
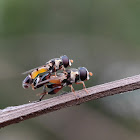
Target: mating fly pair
x=43 y=76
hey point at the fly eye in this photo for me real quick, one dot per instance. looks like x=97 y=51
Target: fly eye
x=83 y=73
x=65 y=61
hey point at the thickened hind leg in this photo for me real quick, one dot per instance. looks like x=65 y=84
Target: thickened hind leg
x=55 y=90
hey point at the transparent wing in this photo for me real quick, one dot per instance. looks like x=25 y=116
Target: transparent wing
x=29 y=71
x=60 y=77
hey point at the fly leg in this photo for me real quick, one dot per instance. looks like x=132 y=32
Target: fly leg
x=72 y=89
x=55 y=74
x=43 y=94
x=84 y=87
x=55 y=89
x=32 y=86
x=52 y=86
x=64 y=70
x=41 y=97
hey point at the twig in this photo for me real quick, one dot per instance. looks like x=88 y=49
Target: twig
x=20 y=113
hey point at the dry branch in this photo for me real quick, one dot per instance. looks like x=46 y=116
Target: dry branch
x=20 y=113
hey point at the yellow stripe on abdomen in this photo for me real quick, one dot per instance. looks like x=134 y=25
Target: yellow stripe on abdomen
x=39 y=71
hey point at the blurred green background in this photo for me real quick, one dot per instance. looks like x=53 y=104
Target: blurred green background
x=100 y=35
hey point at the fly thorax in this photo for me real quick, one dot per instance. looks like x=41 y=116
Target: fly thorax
x=73 y=76
x=48 y=66
x=57 y=63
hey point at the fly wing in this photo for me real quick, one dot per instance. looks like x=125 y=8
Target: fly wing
x=29 y=71
x=60 y=77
